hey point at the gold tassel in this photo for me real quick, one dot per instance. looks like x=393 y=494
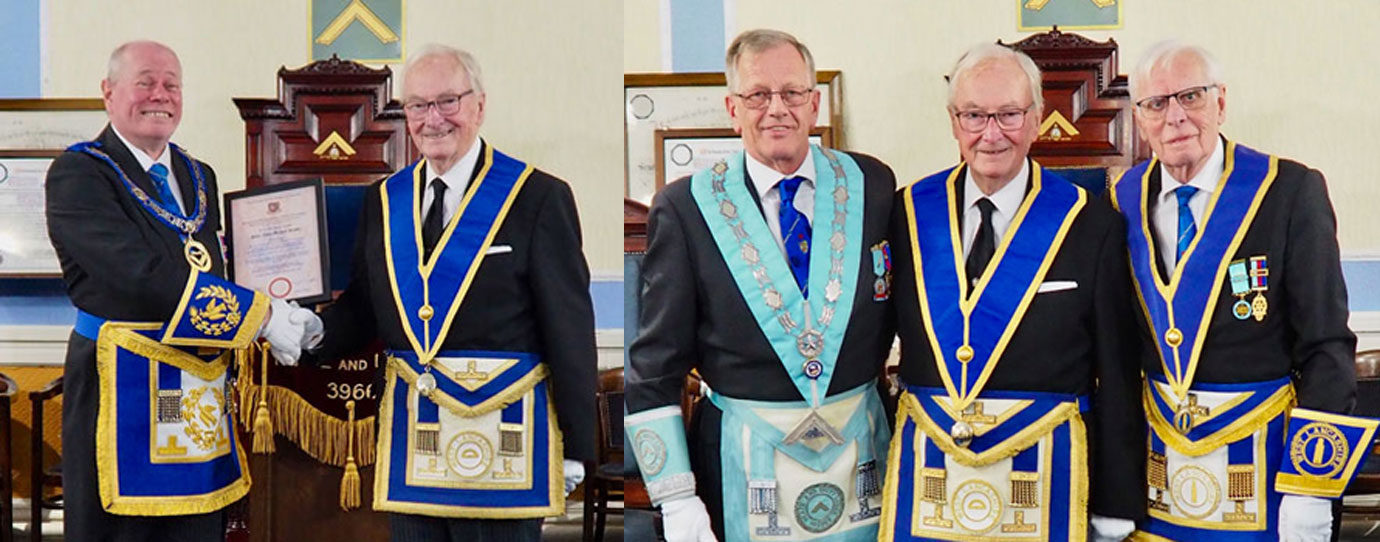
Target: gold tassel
x=349 y=483
x=263 y=426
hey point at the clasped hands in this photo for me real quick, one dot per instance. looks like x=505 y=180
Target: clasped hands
x=289 y=330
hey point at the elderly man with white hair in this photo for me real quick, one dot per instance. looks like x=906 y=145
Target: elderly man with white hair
x=1017 y=351
x=1248 y=358
x=468 y=268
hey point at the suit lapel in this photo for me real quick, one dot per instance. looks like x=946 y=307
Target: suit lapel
x=1152 y=202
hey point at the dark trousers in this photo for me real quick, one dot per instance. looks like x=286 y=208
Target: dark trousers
x=415 y=528
x=83 y=517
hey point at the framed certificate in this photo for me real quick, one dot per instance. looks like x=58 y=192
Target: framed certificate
x=684 y=152
x=25 y=250
x=276 y=239
x=655 y=102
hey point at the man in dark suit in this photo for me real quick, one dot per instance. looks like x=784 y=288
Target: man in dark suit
x=769 y=274
x=133 y=219
x=1016 y=348
x=468 y=266
x=1235 y=255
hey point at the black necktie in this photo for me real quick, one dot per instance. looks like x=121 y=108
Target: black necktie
x=984 y=245
x=435 y=217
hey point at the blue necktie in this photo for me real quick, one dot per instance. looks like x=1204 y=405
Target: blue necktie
x=1187 y=229
x=159 y=174
x=795 y=232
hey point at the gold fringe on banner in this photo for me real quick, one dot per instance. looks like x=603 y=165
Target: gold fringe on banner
x=263 y=426
x=323 y=437
x=349 y=482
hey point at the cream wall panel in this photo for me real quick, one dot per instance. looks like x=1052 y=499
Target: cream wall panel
x=551 y=71
x=1300 y=75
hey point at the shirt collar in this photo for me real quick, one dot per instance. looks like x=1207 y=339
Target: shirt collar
x=458 y=176
x=1206 y=179
x=1006 y=200
x=764 y=177
x=145 y=162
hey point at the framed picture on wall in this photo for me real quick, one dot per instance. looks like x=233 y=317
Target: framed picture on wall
x=32 y=133
x=665 y=102
x=682 y=152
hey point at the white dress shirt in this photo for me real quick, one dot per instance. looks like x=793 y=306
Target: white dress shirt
x=457 y=179
x=146 y=162
x=1007 y=201
x=1167 y=209
x=766 y=180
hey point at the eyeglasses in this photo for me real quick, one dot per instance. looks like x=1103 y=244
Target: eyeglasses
x=1190 y=99
x=791 y=97
x=446 y=105
x=1007 y=119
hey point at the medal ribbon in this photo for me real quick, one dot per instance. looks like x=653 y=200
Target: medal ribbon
x=980 y=326
x=1179 y=312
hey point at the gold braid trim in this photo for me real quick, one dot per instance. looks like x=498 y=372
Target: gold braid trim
x=508 y=396
x=1021 y=440
x=1281 y=400
x=324 y=437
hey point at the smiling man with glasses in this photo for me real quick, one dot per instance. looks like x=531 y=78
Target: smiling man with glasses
x=1247 y=355
x=1020 y=410
x=468 y=268
x=769 y=272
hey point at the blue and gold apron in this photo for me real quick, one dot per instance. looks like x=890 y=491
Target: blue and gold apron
x=968 y=462
x=165 y=428
x=467 y=434
x=1216 y=459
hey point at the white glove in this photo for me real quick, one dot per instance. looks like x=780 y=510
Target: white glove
x=574 y=474
x=1109 y=529
x=312 y=328
x=283 y=335
x=1305 y=519
x=686 y=520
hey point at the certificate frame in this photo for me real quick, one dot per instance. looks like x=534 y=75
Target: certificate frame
x=716 y=141
x=39 y=129
x=680 y=101
x=317 y=217
x=41 y=268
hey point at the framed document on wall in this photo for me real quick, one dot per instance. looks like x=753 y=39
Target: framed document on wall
x=32 y=133
x=683 y=152
x=276 y=239
x=656 y=102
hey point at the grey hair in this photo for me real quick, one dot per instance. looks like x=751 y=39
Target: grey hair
x=1161 y=53
x=756 y=41
x=987 y=52
x=460 y=57
x=117 y=57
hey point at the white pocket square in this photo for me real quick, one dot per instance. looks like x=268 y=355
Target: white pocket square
x=499 y=249
x=1056 y=286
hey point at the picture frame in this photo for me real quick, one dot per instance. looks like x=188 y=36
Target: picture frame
x=683 y=101
x=682 y=152
x=34 y=132
x=275 y=239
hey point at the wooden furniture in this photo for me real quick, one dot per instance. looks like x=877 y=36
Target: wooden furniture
x=335 y=120
x=1367 y=404
x=40 y=479
x=7 y=391
x=605 y=478
x=1087 y=125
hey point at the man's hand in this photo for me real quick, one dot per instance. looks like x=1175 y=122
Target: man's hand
x=312 y=328
x=574 y=474
x=1109 y=529
x=686 y=520
x=283 y=335
x=1305 y=519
